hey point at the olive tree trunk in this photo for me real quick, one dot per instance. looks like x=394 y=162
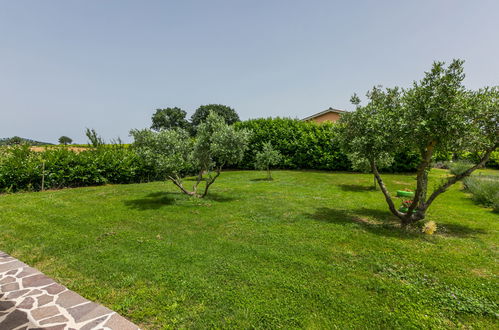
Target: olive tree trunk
x=420 y=203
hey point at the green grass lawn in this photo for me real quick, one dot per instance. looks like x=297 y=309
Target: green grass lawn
x=309 y=249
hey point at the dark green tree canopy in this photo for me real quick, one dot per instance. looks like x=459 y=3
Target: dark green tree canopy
x=65 y=140
x=15 y=140
x=169 y=118
x=229 y=115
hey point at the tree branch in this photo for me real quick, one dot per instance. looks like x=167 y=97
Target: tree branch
x=210 y=182
x=178 y=183
x=456 y=178
x=388 y=198
x=422 y=177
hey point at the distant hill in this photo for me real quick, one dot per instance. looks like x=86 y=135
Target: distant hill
x=30 y=142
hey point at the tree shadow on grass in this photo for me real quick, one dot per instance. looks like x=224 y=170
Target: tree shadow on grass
x=457 y=230
x=356 y=188
x=152 y=201
x=375 y=221
x=262 y=179
x=383 y=223
x=219 y=197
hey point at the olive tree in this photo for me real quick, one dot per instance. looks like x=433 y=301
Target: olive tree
x=173 y=153
x=217 y=144
x=267 y=158
x=169 y=152
x=437 y=114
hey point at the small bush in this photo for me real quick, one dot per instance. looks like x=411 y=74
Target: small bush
x=460 y=166
x=485 y=189
x=441 y=164
x=495 y=203
x=267 y=158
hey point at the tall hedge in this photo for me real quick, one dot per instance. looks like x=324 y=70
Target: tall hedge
x=303 y=145
x=307 y=145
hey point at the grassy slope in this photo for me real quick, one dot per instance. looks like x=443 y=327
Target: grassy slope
x=309 y=249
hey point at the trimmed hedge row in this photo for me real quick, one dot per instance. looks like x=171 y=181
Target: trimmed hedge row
x=307 y=145
x=303 y=145
x=23 y=169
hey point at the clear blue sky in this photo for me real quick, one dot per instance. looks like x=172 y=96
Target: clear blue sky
x=66 y=65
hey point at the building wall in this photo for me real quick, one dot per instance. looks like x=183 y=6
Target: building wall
x=330 y=116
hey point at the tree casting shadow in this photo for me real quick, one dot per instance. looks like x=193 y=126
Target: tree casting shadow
x=212 y=196
x=383 y=223
x=372 y=220
x=152 y=201
x=458 y=230
x=356 y=188
x=261 y=179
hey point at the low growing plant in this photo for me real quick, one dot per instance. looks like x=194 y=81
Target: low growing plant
x=267 y=158
x=484 y=188
x=459 y=167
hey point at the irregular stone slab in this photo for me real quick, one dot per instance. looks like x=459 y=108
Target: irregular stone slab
x=29 y=300
x=6 y=259
x=88 y=311
x=43 y=300
x=34 y=292
x=10 y=265
x=54 y=288
x=117 y=322
x=69 y=299
x=14 y=320
x=26 y=272
x=7 y=279
x=9 y=287
x=6 y=305
x=15 y=294
x=36 y=281
x=94 y=323
x=12 y=272
x=54 y=327
x=54 y=319
x=27 y=303
x=44 y=312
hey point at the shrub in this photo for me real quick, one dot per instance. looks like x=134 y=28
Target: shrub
x=23 y=169
x=485 y=188
x=303 y=145
x=459 y=167
x=495 y=203
x=267 y=158
x=307 y=145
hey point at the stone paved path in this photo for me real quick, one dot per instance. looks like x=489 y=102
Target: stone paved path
x=30 y=300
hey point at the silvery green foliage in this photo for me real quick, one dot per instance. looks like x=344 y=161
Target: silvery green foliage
x=369 y=131
x=267 y=158
x=172 y=152
x=218 y=144
x=169 y=152
x=361 y=163
x=437 y=114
